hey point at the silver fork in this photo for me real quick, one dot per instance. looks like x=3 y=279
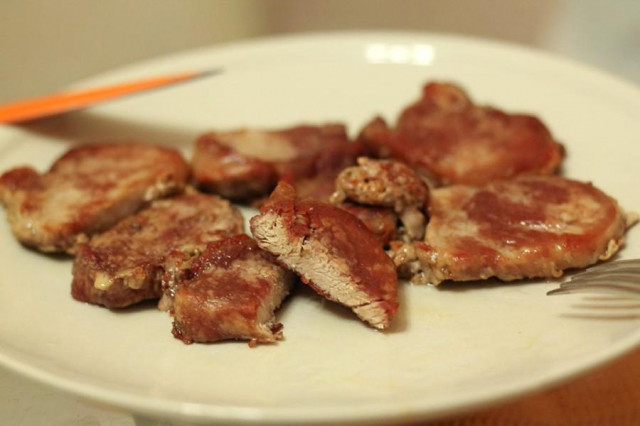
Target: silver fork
x=618 y=277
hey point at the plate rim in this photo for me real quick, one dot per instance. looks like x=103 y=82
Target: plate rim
x=413 y=410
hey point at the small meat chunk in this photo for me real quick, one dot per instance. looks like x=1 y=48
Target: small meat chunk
x=375 y=138
x=132 y=261
x=382 y=222
x=221 y=169
x=231 y=292
x=87 y=190
x=534 y=226
x=245 y=165
x=450 y=140
x=386 y=183
x=319 y=183
x=332 y=251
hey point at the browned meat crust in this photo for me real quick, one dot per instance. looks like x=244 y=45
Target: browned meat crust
x=523 y=228
x=386 y=183
x=332 y=251
x=319 y=183
x=86 y=191
x=381 y=221
x=221 y=169
x=245 y=165
x=133 y=260
x=232 y=292
x=450 y=140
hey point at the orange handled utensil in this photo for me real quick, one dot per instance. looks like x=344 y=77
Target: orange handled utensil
x=31 y=109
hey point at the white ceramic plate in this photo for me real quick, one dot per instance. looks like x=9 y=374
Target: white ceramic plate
x=451 y=349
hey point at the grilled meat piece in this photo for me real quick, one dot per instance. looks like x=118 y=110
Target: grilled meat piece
x=382 y=222
x=331 y=250
x=319 y=182
x=133 y=260
x=220 y=168
x=386 y=183
x=87 y=190
x=452 y=141
x=245 y=165
x=231 y=292
x=534 y=226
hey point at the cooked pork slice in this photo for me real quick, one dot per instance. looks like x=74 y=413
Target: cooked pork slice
x=386 y=183
x=452 y=141
x=231 y=292
x=246 y=164
x=331 y=250
x=382 y=222
x=375 y=138
x=319 y=182
x=133 y=260
x=223 y=170
x=87 y=190
x=522 y=228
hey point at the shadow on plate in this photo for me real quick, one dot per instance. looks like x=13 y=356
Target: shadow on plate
x=88 y=127
x=483 y=285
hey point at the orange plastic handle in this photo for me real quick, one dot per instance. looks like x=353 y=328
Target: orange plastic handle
x=30 y=109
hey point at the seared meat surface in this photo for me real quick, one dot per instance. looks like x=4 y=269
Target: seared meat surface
x=133 y=260
x=245 y=165
x=220 y=168
x=319 y=183
x=87 y=190
x=386 y=183
x=331 y=250
x=450 y=140
x=231 y=292
x=382 y=222
x=534 y=226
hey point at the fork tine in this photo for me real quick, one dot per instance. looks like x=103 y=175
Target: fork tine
x=595 y=282
x=630 y=282
x=594 y=287
x=615 y=277
x=618 y=264
x=620 y=277
x=624 y=269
